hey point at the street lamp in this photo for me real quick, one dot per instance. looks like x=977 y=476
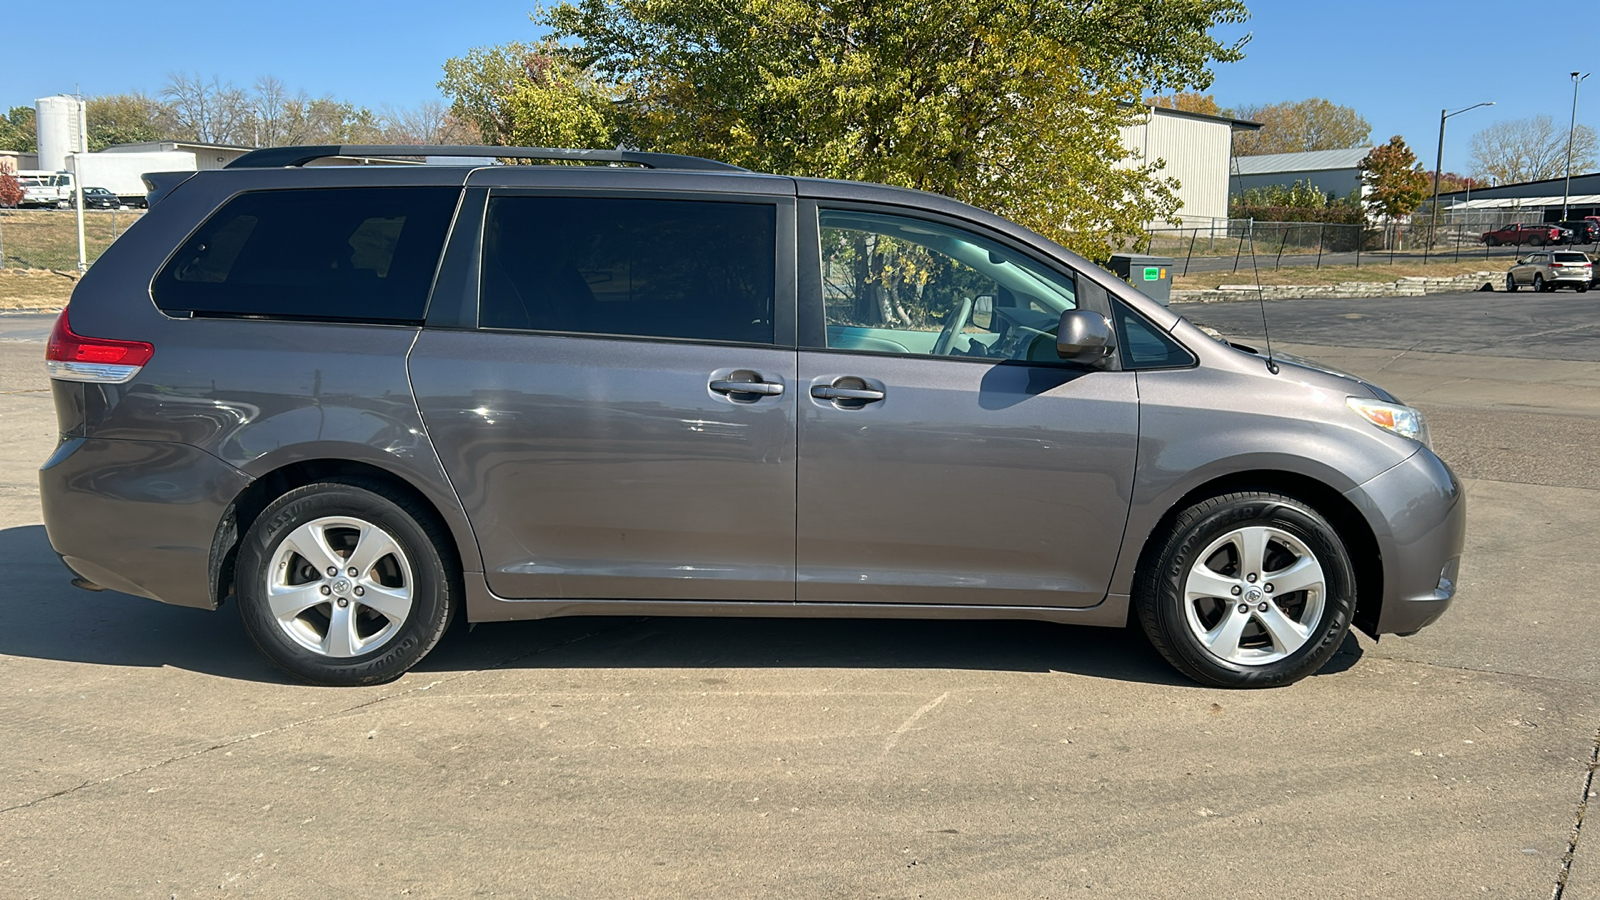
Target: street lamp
x=1566 y=193
x=1438 y=163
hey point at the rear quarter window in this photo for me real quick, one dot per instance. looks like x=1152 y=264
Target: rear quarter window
x=325 y=254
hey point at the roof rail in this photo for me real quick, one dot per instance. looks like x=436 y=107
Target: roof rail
x=275 y=157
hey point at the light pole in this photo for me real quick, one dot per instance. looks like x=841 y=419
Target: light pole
x=1566 y=192
x=1438 y=163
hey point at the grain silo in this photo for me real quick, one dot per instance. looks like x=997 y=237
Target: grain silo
x=62 y=129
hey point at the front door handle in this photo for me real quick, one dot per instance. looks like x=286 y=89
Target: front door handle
x=827 y=392
x=848 y=391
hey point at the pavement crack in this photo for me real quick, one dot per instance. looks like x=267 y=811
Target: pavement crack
x=300 y=723
x=1577 y=824
x=1396 y=358
x=930 y=706
x=1475 y=670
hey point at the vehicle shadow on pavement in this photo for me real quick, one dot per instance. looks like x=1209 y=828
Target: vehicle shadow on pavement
x=44 y=617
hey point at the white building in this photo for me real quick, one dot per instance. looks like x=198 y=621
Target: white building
x=206 y=156
x=1197 y=150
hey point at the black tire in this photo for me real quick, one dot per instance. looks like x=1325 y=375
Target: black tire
x=1538 y=284
x=1583 y=287
x=1536 y=242
x=421 y=569
x=1511 y=283
x=1161 y=585
x=1492 y=241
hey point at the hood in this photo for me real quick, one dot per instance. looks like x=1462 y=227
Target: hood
x=1300 y=362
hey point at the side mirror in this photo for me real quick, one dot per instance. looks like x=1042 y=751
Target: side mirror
x=983 y=311
x=1084 y=337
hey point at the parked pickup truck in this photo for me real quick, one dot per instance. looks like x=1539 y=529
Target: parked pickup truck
x=1536 y=235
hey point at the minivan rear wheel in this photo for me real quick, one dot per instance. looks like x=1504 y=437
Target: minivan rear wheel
x=1248 y=589
x=342 y=583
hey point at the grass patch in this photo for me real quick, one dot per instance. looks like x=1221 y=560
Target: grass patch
x=48 y=238
x=1311 y=275
x=35 y=289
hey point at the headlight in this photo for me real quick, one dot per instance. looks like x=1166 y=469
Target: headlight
x=1402 y=420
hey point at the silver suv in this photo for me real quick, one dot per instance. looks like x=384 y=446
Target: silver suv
x=1550 y=269
x=356 y=401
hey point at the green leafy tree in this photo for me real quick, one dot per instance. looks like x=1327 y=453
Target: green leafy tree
x=17 y=131
x=1013 y=105
x=1395 y=184
x=125 y=119
x=561 y=105
x=530 y=95
x=1300 y=126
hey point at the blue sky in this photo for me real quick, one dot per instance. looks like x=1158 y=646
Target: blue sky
x=1396 y=62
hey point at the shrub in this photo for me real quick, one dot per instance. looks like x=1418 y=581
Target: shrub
x=10 y=191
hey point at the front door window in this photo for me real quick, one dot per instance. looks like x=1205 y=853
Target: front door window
x=912 y=287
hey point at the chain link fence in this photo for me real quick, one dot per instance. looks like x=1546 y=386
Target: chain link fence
x=48 y=238
x=1244 y=244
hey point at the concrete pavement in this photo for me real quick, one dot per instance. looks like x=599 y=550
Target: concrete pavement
x=149 y=752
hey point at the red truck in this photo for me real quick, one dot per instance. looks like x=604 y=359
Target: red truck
x=1536 y=235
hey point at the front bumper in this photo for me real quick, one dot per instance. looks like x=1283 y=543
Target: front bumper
x=1418 y=514
x=138 y=516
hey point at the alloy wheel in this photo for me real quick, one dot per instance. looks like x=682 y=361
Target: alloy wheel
x=339 y=586
x=1254 y=596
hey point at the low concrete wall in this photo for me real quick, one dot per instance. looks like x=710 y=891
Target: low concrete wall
x=1404 y=287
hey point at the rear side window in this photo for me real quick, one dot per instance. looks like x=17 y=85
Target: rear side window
x=686 y=269
x=327 y=254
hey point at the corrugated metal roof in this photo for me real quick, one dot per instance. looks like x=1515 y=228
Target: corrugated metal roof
x=1527 y=202
x=1314 y=161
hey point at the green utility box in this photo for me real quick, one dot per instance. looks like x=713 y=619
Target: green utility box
x=1152 y=275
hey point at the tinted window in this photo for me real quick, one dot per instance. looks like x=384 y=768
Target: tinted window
x=1144 y=346
x=652 y=268
x=1571 y=258
x=898 y=285
x=343 y=254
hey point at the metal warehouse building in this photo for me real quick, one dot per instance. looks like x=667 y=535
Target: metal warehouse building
x=1334 y=172
x=1531 y=200
x=1198 y=152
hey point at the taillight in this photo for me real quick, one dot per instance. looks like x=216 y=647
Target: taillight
x=73 y=357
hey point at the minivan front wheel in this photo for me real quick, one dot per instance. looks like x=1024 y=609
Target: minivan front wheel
x=342 y=583
x=1249 y=589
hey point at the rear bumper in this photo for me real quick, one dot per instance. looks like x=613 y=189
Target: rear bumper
x=138 y=516
x=1418 y=514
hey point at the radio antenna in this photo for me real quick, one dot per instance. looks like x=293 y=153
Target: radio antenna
x=1261 y=298
x=1261 y=294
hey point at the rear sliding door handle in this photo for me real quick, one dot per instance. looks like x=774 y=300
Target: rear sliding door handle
x=828 y=392
x=764 y=388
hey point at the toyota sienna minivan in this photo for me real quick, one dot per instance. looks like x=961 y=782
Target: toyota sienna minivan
x=356 y=401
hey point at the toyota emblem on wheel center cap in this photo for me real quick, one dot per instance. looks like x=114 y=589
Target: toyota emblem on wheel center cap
x=341 y=586
x=1253 y=594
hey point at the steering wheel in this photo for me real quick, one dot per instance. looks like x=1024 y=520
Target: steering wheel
x=953 y=323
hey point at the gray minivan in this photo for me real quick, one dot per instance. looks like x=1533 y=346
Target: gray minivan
x=357 y=399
